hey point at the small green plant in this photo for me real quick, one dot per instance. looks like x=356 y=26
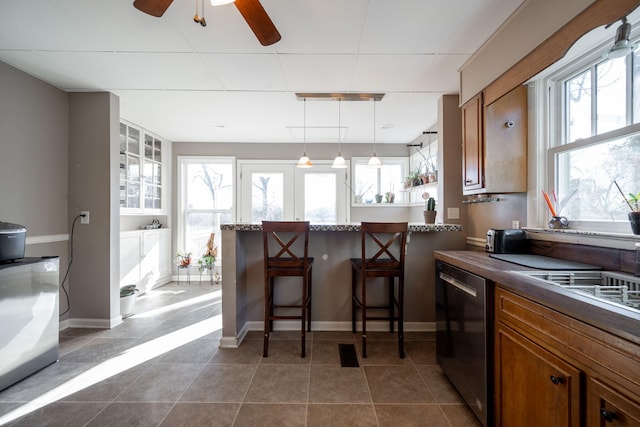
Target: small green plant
x=634 y=202
x=430 y=204
x=206 y=262
x=125 y=291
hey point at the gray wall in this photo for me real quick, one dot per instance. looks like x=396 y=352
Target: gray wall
x=93 y=183
x=34 y=118
x=57 y=157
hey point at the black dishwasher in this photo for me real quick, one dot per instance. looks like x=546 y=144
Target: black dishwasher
x=463 y=336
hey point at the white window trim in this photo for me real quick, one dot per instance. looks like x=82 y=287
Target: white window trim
x=545 y=110
x=404 y=161
x=182 y=197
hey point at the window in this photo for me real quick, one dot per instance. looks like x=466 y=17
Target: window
x=207 y=200
x=278 y=191
x=598 y=126
x=369 y=182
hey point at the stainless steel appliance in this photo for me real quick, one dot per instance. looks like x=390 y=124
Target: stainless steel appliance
x=611 y=287
x=463 y=331
x=506 y=241
x=29 y=317
x=12 y=239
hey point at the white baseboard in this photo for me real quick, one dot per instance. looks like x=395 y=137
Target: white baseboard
x=294 y=325
x=91 y=323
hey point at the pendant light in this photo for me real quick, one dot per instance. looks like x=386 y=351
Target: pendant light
x=304 y=161
x=374 y=161
x=338 y=162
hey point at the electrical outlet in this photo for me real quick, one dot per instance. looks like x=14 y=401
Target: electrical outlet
x=84 y=219
x=515 y=224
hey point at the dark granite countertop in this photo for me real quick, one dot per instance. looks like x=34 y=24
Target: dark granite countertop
x=413 y=227
x=608 y=317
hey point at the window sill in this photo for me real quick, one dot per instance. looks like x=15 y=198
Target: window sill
x=584 y=237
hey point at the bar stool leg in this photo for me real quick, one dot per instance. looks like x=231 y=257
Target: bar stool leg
x=363 y=307
x=267 y=315
x=401 y=316
x=391 y=285
x=354 y=280
x=308 y=299
x=303 y=315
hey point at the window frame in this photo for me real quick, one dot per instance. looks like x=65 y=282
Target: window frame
x=401 y=199
x=552 y=108
x=183 y=211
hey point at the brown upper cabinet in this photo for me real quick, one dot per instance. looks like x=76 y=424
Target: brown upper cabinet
x=494 y=142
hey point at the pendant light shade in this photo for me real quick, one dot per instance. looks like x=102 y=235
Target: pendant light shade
x=304 y=161
x=339 y=162
x=621 y=45
x=374 y=161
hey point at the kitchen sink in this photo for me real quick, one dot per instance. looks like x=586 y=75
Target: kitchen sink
x=617 y=288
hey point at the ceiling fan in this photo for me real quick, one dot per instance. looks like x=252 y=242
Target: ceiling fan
x=251 y=10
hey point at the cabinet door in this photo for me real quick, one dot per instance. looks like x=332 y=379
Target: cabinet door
x=606 y=407
x=532 y=386
x=472 y=146
x=505 y=144
x=150 y=260
x=130 y=250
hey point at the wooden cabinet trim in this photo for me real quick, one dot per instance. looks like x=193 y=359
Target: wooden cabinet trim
x=585 y=346
x=600 y=12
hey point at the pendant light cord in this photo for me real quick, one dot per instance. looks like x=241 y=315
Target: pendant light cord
x=339 y=145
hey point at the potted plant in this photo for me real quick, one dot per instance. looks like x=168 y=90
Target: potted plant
x=634 y=205
x=184 y=259
x=430 y=211
x=634 y=215
x=128 y=295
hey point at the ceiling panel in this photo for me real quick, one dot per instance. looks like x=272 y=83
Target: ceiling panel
x=181 y=80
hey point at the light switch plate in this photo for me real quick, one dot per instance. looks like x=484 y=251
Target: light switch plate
x=453 y=213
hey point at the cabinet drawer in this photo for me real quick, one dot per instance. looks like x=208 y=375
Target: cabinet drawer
x=607 y=407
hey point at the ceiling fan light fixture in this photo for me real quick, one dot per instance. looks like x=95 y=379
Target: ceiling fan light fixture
x=220 y=2
x=621 y=45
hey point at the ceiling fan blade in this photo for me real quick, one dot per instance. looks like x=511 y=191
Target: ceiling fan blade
x=152 y=7
x=258 y=20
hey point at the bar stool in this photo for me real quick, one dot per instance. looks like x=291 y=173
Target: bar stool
x=286 y=253
x=383 y=253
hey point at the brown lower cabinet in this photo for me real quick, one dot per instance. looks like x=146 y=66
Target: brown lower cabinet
x=554 y=370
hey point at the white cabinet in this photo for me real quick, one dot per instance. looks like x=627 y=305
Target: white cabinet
x=145 y=258
x=144 y=171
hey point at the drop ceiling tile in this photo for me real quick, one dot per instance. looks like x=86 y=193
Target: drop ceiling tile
x=389 y=72
x=317 y=73
x=238 y=71
x=322 y=27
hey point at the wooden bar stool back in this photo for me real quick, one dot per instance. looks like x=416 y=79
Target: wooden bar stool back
x=383 y=253
x=286 y=253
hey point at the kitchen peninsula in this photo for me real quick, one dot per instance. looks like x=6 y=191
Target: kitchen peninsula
x=332 y=246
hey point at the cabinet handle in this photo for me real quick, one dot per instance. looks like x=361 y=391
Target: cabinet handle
x=608 y=416
x=509 y=124
x=469 y=181
x=557 y=380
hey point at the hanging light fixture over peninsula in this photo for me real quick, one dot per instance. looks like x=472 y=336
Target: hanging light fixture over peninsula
x=339 y=162
x=304 y=161
x=374 y=161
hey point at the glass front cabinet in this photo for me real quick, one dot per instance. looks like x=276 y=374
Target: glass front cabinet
x=141 y=170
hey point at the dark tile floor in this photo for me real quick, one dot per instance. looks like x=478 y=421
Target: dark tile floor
x=163 y=367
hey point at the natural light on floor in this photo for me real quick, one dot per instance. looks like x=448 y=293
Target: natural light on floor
x=129 y=358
